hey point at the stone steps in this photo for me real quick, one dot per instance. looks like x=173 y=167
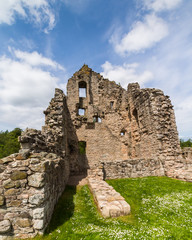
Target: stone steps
x=109 y=202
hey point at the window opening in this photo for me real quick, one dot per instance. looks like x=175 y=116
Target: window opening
x=82 y=147
x=97 y=119
x=111 y=104
x=81 y=112
x=122 y=133
x=82 y=89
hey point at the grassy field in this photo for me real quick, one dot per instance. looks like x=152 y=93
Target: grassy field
x=161 y=209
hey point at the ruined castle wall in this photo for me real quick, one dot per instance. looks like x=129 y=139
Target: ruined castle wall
x=179 y=168
x=133 y=168
x=32 y=181
x=104 y=118
x=30 y=186
x=55 y=129
x=119 y=124
x=154 y=132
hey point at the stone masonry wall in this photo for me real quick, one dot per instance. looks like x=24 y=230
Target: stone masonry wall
x=133 y=168
x=153 y=123
x=32 y=181
x=180 y=168
x=118 y=125
x=29 y=189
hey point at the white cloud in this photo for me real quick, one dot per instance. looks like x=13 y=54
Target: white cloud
x=142 y=36
x=37 y=11
x=125 y=74
x=36 y=59
x=170 y=64
x=160 y=5
x=25 y=88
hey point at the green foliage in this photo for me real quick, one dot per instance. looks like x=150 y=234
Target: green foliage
x=82 y=148
x=187 y=143
x=9 y=142
x=160 y=209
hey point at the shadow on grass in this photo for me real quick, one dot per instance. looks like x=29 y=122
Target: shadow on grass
x=64 y=209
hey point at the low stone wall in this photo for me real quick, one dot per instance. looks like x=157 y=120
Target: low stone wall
x=180 y=168
x=133 y=168
x=30 y=185
x=109 y=202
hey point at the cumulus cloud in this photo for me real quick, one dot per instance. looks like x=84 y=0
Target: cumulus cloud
x=127 y=73
x=38 y=11
x=160 y=5
x=25 y=88
x=142 y=36
x=36 y=59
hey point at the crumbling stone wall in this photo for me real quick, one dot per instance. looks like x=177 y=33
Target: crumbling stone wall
x=137 y=123
x=32 y=181
x=30 y=186
x=155 y=133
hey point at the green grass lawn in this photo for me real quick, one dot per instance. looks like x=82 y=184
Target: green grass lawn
x=161 y=208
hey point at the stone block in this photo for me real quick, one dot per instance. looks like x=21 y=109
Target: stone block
x=7 y=159
x=23 y=222
x=2 y=200
x=18 y=175
x=37 y=199
x=37 y=167
x=38 y=224
x=36 y=180
x=11 y=191
x=8 y=184
x=38 y=213
x=5 y=226
x=15 y=203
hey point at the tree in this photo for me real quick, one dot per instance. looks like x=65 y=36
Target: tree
x=187 y=143
x=9 y=142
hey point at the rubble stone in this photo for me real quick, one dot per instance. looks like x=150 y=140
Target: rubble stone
x=36 y=180
x=2 y=200
x=5 y=226
x=18 y=175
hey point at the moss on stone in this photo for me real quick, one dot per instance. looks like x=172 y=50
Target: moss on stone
x=18 y=175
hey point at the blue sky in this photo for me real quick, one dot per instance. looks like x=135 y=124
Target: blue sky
x=43 y=42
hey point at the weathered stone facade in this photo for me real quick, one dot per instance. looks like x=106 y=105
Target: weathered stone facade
x=99 y=129
x=119 y=124
x=30 y=187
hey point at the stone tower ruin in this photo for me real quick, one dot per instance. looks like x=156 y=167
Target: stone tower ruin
x=118 y=124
